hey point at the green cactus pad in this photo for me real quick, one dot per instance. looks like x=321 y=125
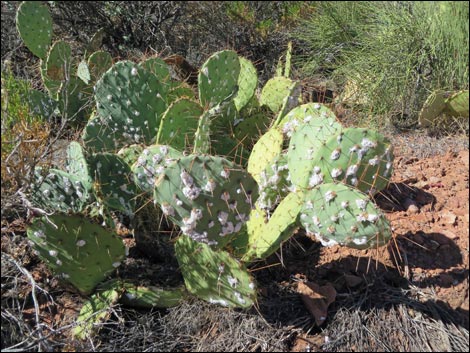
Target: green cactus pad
x=247 y=82
x=59 y=60
x=34 y=23
x=268 y=147
x=338 y=214
x=214 y=276
x=81 y=252
x=114 y=185
x=218 y=78
x=131 y=153
x=265 y=238
x=131 y=103
x=158 y=67
x=97 y=138
x=179 y=124
x=94 y=312
x=432 y=108
x=275 y=91
x=75 y=100
x=77 y=165
x=151 y=163
x=52 y=86
x=289 y=102
x=359 y=157
x=98 y=63
x=41 y=104
x=179 y=90
x=83 y=73
x=251 y=126
x=306 y=140
x=54 y=190
x=457 y=104
x=208 y=197
x=202 y=137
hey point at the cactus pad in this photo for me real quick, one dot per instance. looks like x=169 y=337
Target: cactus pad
x=338 y=214
x=59 y=60
x=81 y=252
x=34 y=23
x=247 y=82
x=214 y=276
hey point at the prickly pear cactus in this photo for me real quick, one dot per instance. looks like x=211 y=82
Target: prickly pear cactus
x=41 y=104
x=54 y=190
x=209 y=198
x=98 y=63
x=218 y=78
x=214 y=276
x=359 y=157
x=34 y=23
x=83 y=72
x=274 y=183
x=130 y=102
x=339 y=214
x=179 y=124
x=81 y=252
x=278 y=92
x=131 y=153
x=151 y=163
x=265 y=238
x=113 y=184
x=457 y=104
x=77 y=165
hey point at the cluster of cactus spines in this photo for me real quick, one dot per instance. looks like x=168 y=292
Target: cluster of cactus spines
x=34 y=24
x=151 y=163
x=359 y=157
x=79 y=251
x=209 y=198
x=54 y=190
x=339 y=214
x=214 y=276
x=113 y=186
x=264 y=151
x=130 y=102
x=218 y=78
x=179 y=124
x=265 y=236
x=443 y=103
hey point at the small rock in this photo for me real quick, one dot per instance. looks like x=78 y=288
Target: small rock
x=434 y=180
x=352 y=281
x=446 y=280
x=448 y=217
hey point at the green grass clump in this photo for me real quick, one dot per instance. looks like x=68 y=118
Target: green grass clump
x=387 y=56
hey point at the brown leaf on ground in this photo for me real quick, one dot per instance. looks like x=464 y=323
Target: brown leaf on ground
x=317 y=299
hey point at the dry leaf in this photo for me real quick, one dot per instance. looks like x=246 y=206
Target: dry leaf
x=317 y=299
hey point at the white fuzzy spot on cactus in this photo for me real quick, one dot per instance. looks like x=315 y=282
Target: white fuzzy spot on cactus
x=335 y=154
x=39 y=234
x=354 y=148
x=362 y=203
x=205 y=71
x=225 y=173
x=232 y=281
x=330 y=195
x=191 y=192
x=222 y=217
x=316 y=221
x=336 y=172
x=186 y=178
x=218 y=301
x=331 y=230
x=334 y=218
x=238 y=226
x=315 y=180
x=308 y=118
x=309 y=205
x=352 y=169
x=232 y=205
x=46 y=192
x=316 y=106
x=354 y=181
x=81 y=243
x=109 y=97
x=53 y=253
x=360 y=241
x=58 y=262
x=242 y=217
x=372 y=217
x=239 y=298
x=179 y=202
x=374 y=161
x=167 y=209
x=65 y=275
x=134 y=71
x=325 y=242
x=367 y=144
x=345 y=204
x=210 y=185
x=251 y=286
x=210 y=224
x=116 y=264
x=225 y=196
